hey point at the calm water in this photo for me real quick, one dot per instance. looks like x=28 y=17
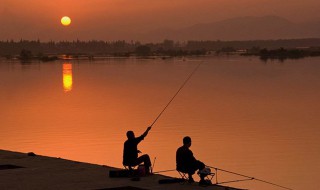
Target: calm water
x=251 y=117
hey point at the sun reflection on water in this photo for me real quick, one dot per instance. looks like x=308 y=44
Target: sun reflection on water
x=67 y=77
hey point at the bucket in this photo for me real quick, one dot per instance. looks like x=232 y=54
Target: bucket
x=141 y=170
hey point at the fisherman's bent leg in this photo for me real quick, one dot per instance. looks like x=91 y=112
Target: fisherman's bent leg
x=200 y=166
x=192 y=168
x=146 y=160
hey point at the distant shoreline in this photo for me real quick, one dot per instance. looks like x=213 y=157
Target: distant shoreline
x=264 y=55
x=25 y=51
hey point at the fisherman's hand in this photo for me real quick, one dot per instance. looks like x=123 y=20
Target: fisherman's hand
x=146 y=132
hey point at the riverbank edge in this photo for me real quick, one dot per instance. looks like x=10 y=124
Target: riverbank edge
x=30 y=171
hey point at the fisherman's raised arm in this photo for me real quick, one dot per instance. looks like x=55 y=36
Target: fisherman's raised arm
x=146 y=132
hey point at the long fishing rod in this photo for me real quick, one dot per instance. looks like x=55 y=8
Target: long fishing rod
x=163 y=171
x=249 y=178
x=185 y=82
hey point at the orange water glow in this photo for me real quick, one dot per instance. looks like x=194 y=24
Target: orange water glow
x=244 y=115
x=67 y=77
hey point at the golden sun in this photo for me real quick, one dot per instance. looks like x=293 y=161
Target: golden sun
x=65 y=21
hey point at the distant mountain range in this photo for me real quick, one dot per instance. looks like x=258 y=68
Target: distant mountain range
x=242 y=28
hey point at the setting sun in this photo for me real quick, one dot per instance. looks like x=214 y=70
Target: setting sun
x=65 y=21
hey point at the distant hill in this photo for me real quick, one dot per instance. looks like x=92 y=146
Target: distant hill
x=242 y=28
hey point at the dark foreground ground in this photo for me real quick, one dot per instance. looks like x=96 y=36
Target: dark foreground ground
x=23 y=171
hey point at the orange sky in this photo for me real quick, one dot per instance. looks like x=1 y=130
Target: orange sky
x=118 y=19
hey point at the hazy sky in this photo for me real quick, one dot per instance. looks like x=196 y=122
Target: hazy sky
x=114 y=19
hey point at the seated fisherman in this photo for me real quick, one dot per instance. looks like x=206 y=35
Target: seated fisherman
x=130 y=151
x=187 y=163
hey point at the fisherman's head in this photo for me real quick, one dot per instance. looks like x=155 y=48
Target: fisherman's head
x=130 y=135
x=187 y=141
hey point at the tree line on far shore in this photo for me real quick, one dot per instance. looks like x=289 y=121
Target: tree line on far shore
x=266 y=49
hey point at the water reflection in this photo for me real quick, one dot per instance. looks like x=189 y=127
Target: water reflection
x=67 y=77
x=256 y=119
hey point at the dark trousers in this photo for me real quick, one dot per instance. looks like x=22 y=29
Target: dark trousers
x=143 y=159
x=197 y=165
x=192 y=167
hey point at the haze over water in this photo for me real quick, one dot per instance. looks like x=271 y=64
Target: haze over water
x=256 y=118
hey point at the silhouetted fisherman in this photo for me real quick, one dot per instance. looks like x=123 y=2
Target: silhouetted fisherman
x=130 y=151
x=187 y=163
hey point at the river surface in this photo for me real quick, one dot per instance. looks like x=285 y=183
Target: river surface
x=260 y=119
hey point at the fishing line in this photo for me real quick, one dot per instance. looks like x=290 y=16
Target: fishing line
x=185 y=82
x=249 y=178
x=163 y=171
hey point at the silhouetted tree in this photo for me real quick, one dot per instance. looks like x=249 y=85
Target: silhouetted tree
x=168 y=44
x=143 y=50
x=25 y=55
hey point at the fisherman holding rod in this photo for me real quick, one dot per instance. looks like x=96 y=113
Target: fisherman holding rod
x=130 y=151
x=187 y=163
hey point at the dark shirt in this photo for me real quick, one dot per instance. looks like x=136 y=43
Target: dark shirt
x=184 y=158
x=130 y=151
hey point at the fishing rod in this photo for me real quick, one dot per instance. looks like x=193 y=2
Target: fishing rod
x=163 y=171
x=248 y=178
x=185 y=82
